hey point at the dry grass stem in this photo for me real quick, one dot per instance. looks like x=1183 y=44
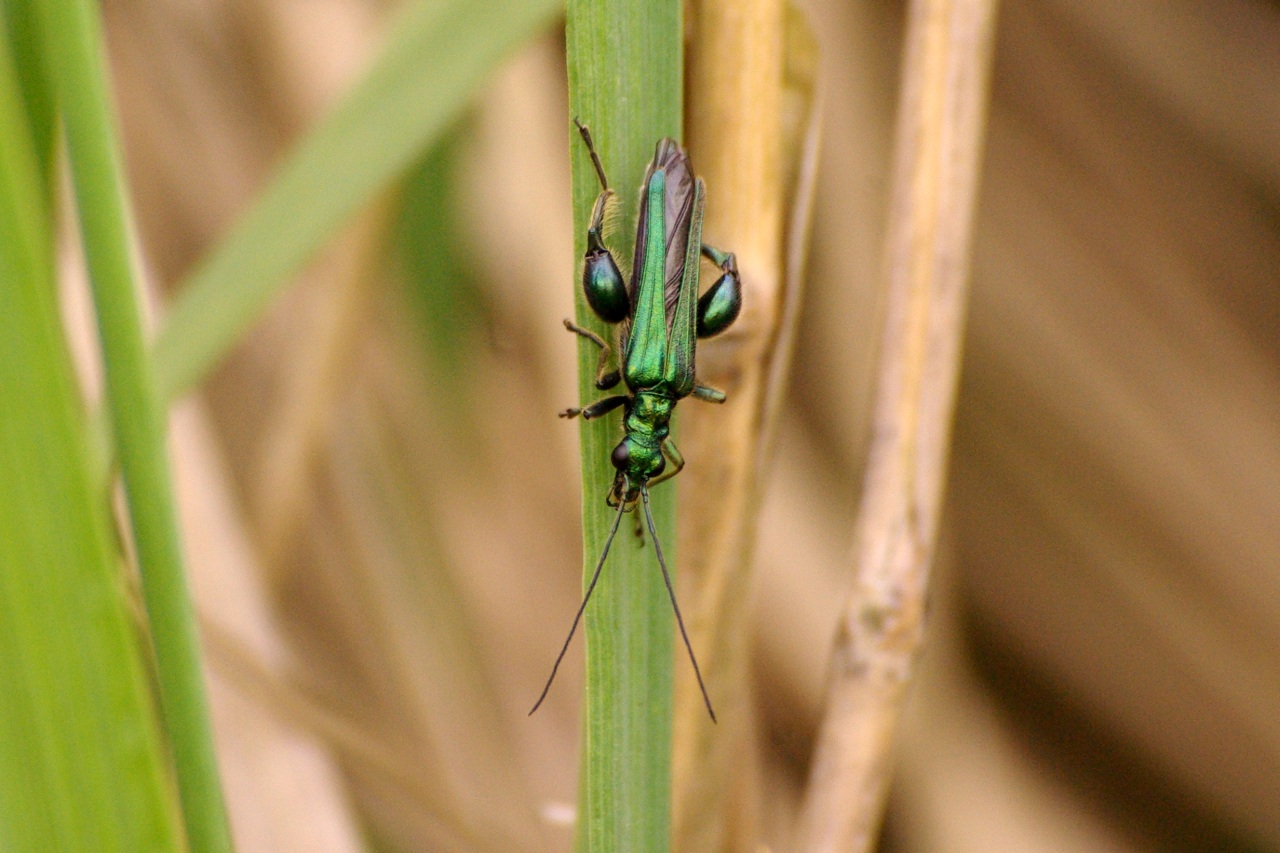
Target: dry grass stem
x=751 y=81
x=285 y=790
x=939 y=142
x=321 y=365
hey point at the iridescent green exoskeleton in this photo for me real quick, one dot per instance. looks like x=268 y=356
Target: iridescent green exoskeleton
x=659 y=317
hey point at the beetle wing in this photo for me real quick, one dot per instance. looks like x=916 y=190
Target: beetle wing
x=664 y=280
x=679 y=200
x=646 y=350
x=682 y=330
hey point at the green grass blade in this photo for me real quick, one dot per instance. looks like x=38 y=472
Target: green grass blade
x=625 y=80
x=81 y=763
x=437 y=57
x=72 y=51
x=20 y=20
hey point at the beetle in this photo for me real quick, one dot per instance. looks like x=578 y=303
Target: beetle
x=658 y=317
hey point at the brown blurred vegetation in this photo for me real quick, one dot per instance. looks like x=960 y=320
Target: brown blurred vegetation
x=382 y=508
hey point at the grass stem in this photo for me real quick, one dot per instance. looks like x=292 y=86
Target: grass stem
x=625 y=82
x=73 y=54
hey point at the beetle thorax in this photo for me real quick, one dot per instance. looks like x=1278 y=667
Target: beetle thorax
x=638 y=457
x=648 y=417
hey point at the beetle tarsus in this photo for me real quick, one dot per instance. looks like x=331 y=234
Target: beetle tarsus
x=591 y=149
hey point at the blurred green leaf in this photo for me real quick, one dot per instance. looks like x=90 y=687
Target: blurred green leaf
x=437 y=268
x=81 y=765
x=432 y=65
x=37 y=97
x=71 y=49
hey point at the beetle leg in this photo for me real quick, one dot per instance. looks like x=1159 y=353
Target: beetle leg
x=709 y=394
x=725 y=260
x=672 y=453
x=596 y=409
x=591 y=149
x=601 y=282
x=719 y=306
x=605 y=379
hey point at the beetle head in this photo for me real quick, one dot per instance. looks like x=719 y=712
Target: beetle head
x=637 y=463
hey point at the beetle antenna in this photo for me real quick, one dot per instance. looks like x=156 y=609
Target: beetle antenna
x=617 y=519
x=591 y=149
x=666 y=577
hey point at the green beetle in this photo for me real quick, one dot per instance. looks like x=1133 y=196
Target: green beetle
x=659 y=317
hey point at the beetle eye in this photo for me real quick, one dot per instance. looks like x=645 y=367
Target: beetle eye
x=657 y=469
x=621 y=456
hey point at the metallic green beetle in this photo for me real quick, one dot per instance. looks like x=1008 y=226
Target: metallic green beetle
x=659 y=317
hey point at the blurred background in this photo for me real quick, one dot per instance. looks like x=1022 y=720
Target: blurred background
x=381 y=508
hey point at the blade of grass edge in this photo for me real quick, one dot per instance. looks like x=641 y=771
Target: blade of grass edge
x=625 y=68
x=86 y=769
x=72 y=51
